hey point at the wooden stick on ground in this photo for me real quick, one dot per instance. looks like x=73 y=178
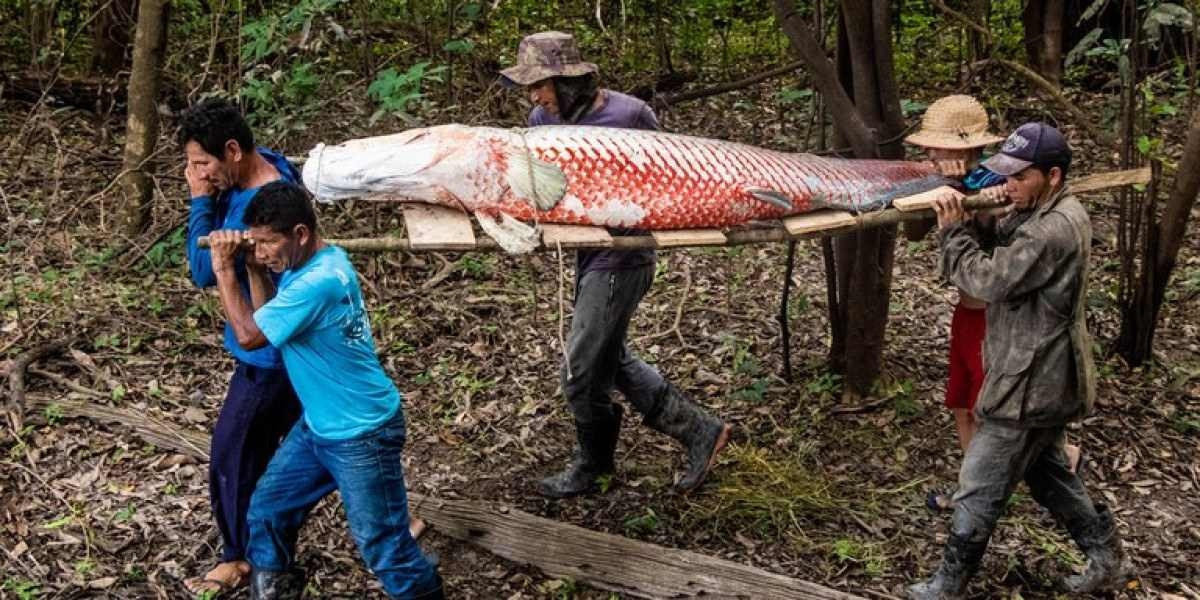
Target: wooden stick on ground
x=598 y=559
x=607 y=561
x=16 y=404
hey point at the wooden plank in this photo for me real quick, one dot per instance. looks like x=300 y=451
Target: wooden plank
x=1100 y=181
x=689 y=237
x=923 y=200
x=607 y=561
x=819 y=220
x=437 y=227
x=575 y=236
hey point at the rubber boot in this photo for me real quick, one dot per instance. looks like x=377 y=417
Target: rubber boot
x=596 y=445
x=277 y=585
x=437 y=593
x=959 y=562
x=702 y=435
x=1101 y=542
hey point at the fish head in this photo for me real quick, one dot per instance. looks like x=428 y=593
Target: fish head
x=428 y=164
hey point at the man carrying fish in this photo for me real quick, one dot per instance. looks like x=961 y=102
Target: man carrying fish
x=609 y=285
x=224 y=171
x=352 y=431
x=1038 y=373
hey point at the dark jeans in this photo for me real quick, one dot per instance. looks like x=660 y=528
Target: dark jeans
x=368 y=472
x=998 y=458
x=600 y=360
x=259 y=409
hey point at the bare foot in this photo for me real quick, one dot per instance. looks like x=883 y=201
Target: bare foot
x=1073 y=454
x=416 y=527
x=223 y=578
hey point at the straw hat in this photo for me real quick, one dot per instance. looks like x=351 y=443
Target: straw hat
x=954 y=123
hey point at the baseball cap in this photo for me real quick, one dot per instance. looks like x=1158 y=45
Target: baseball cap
x=1031 y=144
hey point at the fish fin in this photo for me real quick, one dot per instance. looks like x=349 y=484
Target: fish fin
x=512 y=235
x=543 y=183
x=772 y=197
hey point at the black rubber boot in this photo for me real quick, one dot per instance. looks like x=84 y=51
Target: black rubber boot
x=1101 y=542
x=277 y=585
x=702 y=435
x=596 y=445
x=959 y=562
x=437 y=593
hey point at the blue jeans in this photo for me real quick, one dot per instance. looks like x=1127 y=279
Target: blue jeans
x=368 y=472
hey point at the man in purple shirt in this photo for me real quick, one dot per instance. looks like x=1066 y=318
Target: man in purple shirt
x=609 y=285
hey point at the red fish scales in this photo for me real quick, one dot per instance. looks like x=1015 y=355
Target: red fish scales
x=660 y=181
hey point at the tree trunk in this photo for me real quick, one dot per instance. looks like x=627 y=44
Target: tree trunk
x=1052 y=42
x=141 y=127
x=1135 y=343
x=866 y=112
x=110 y=37
x=977 y=10
x=1033 y=19
x=40 y=20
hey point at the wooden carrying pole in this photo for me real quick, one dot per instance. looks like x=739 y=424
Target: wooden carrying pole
x=435 y=229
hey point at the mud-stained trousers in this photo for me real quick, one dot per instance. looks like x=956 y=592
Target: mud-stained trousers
x=998 y=458
x=600 y=359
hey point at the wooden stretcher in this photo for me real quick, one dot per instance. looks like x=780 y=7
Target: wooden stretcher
x=436 y=229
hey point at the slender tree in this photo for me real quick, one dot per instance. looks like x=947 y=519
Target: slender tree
x=149 y=47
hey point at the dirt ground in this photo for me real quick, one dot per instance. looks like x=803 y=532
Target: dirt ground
x=805 y=490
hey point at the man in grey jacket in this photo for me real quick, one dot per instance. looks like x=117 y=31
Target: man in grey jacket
x=1037 y=360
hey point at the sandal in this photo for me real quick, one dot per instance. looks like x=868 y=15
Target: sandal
x=939 y=502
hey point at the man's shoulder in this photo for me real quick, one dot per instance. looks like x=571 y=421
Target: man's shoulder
x=624 y=104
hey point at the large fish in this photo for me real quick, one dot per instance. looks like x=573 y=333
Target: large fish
x=625 y=178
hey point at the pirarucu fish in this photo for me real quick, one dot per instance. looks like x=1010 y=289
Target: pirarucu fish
x=626 y=178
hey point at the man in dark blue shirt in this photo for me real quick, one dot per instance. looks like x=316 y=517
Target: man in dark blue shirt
x=609 y=285
x=224 y=172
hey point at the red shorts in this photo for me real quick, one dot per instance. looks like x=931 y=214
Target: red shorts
x=966 y=356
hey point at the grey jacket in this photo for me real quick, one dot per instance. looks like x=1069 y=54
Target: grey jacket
x=1037 y=353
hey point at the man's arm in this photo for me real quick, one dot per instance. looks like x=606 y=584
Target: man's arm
x=262 y=288
x=202 y=220
x=224 y=248
x=1025 y=265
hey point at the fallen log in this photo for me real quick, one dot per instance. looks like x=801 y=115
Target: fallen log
x=598 y=559
x=607 y=561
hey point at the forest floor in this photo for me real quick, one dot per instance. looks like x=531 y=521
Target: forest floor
x=91 y=510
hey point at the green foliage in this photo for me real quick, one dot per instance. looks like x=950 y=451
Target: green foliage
x=826 y=383
x=755 y=393
x=847 y=550
x=53 y=413
x=281 y=86
x=647 y=522
x=396 y=92
x=21 y=588
x=167 y=253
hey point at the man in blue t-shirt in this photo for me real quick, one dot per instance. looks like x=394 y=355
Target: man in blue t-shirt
x=224 y=171
x=609 y=284
x=352 y=430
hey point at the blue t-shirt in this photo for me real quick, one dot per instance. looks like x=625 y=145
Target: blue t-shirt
x=318 y=322
x=225 y=212
x=625 y=112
